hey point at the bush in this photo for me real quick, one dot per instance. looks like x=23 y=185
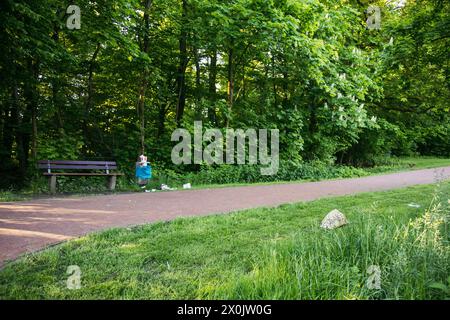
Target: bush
x=233 y=174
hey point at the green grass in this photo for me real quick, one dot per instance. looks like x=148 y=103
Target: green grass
x=425 y=162
x=414 y=163
x=278 y=253
x=6 y=196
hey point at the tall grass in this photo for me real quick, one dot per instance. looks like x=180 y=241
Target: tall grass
x=413 y=257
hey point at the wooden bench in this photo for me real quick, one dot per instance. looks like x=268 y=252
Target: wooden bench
x=83 y=166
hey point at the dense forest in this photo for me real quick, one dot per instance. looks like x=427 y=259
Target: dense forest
x=338 y=91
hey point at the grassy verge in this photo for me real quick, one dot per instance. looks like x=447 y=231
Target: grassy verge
x=398 y=165
x=411 y=163
x=95 y=186
x=278 y=253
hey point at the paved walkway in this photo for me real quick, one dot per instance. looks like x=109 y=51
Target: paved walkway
x=31 y=225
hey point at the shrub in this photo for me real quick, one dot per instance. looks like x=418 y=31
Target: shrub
x=288 y=171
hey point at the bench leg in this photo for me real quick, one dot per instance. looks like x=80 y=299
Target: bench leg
x=112 y=182
x=52 y=184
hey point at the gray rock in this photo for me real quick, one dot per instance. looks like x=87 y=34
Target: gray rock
x=334 y=219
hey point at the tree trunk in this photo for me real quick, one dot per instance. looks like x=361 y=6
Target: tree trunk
x=275 y=96
x=55 y=89
x=143 y=86
x=198 y=88
x=230 y=84
x=31 y=95
x=212 y=87
x=19 y=136
x=181 y=77
x=34 y=140
x=88 y=102
x=285 y=83
x=8 y=129
x=163 y=108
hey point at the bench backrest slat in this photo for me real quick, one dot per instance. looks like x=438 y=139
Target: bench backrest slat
x=90 y=167
x=76 y=162
x=79 y=165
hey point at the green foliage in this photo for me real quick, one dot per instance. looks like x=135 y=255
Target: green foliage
x=338 y=93
x=64 y=147
x=228 y=174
